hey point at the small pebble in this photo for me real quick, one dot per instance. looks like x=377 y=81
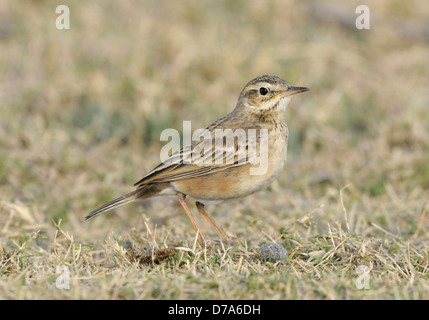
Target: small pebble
x=272 y=252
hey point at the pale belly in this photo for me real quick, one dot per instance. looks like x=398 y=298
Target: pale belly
x=234 y=182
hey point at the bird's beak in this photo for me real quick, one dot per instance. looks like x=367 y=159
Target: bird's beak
x=293 y=90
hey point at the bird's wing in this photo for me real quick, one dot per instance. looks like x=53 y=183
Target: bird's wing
x=217 y=149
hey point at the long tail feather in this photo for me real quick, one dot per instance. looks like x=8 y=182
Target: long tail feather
x=129 y=197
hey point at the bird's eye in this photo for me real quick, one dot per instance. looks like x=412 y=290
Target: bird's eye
x=263 y=91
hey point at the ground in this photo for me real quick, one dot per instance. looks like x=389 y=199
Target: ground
x=82 y=110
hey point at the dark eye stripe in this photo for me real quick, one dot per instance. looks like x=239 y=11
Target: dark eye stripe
x=251 y=93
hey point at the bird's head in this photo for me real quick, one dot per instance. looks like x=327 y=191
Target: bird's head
x=267 y=92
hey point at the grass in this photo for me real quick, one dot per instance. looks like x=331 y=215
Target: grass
x=81 y=112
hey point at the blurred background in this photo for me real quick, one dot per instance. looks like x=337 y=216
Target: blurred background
x=81 y=110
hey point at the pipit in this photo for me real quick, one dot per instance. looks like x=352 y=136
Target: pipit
x=212 y=170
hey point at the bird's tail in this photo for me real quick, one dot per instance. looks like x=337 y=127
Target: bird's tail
x=129 y=197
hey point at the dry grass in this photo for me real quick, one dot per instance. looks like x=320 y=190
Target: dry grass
x=81 y=111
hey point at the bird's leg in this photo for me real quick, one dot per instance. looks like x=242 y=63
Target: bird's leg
x=182 y=201
x=200 y=207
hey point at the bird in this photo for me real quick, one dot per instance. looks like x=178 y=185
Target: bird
x=213 y=170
